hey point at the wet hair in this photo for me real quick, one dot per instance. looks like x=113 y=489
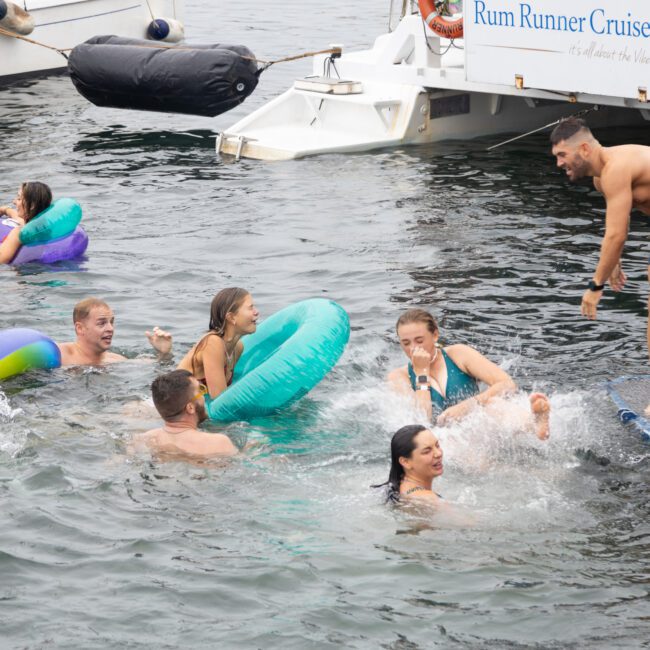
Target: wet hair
x=226 y=301
x=37 y=197
x=83 y=308
x=418 y=316
x=402 y=445
x=171 y=393
x=569 y=127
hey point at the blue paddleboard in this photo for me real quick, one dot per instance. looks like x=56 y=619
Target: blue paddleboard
x=632 y=396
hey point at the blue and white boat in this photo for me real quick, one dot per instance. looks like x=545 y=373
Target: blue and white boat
x=516 y=66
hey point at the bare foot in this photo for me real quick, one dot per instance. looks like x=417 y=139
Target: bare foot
x=647 y=411
x=541 y=409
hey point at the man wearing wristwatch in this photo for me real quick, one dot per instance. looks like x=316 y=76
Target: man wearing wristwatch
x=622 y=175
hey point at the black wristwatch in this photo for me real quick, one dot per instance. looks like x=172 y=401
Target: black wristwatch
x=423 y=379
x=595 y=287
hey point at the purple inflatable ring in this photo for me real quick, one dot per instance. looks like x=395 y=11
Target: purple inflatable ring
x=55 y=250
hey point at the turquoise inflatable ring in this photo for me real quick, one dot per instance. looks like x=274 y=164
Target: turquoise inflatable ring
x=290 y=352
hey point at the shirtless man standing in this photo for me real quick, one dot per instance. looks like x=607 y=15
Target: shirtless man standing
x=622 y=174
x=179 y=398
x=94 y=326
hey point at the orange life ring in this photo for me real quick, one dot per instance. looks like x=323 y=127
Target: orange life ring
x=441 y=25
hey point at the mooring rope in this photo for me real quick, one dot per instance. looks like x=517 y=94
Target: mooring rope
x=267 y=64
x=153 y=18
x=150 y=10
x=62 y=52
x=541 y=128
x=159 y=46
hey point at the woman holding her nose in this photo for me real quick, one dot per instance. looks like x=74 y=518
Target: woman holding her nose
x=443 y=381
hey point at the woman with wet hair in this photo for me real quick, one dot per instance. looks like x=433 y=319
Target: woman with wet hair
x=416 y=459
x=212 y=360
x=32 y=198
x=443 y=381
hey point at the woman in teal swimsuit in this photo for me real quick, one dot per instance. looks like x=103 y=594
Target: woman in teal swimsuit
x=444 y=381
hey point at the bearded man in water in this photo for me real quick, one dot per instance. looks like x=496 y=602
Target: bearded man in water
x=622 y=175
x=94 y=326
x=180 y=400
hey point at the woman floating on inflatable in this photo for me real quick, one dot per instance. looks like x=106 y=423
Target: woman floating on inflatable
x=32 y=199
x=275 y=365
x=444 y=381
x=39 y=230
x=212 y=360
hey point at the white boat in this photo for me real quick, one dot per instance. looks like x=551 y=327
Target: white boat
x=515 y=70
x=62 y=24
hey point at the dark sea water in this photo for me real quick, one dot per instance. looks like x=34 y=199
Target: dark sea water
x=288 y=547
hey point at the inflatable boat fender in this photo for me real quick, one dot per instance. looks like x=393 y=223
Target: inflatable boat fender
x=140 y=75
x=168 y=30
x=15 y=18
x=290 y=352
x=23 y=349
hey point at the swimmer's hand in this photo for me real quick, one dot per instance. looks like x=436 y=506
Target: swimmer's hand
x=12 y=213
x=421 y=361
x=455 y=413
x=590 y=300
x=161 y=341
x=618 y=278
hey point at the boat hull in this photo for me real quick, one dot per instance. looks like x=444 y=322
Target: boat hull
x=404 y=92
x=64 y=24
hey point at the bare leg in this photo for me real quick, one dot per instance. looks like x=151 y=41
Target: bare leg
x=541 y=409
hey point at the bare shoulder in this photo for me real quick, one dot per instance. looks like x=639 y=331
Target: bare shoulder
x=426 y=496
x=460 y=351
x=65 y=348
x=214 y=344
x=220 y=445
x=145 y=441
x=619 y=165
x=69 y=354
x=112 y=357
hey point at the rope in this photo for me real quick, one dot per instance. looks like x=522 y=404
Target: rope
x=265 y=64
x=541 y=128
x=150 y=11
x=5 y=32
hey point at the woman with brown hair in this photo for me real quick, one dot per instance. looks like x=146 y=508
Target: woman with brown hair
x=212 y=360
x=31 y=200
x=444 y=381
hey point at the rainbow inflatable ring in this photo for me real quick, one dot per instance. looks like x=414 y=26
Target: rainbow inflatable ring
x=52 y=236
x=290 y=352
x=22 y=349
